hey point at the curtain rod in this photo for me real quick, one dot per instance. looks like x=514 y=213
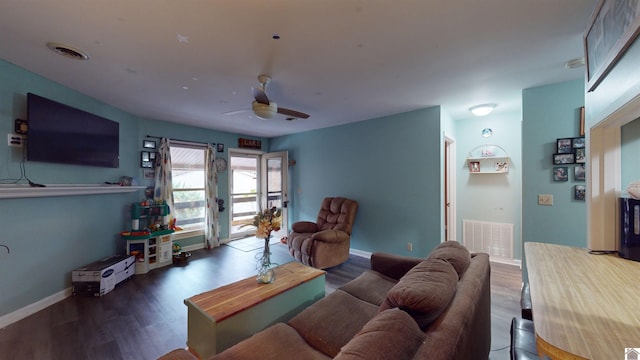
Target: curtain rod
x=183 y=141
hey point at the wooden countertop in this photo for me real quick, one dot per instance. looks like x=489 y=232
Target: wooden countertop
x=226 y=301
x=584 y=305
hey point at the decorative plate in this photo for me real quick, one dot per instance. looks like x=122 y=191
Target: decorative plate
x=221 y=164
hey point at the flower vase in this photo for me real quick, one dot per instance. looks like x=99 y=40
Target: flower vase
x=266 y=275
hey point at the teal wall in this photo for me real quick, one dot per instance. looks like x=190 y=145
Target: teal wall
x=490 y=197
x=550 y=112
x=51 y=236
x=390 y=165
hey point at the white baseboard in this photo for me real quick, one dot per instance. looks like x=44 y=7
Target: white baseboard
x=193 y=247
x=8 y=319
x=356 y=252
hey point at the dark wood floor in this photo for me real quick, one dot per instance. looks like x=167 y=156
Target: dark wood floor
x=145 y=317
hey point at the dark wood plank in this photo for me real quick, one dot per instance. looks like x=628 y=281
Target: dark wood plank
x=145 y=317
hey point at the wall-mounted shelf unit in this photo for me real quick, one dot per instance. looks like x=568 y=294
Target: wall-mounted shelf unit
x=26 y=191
x=488 y=159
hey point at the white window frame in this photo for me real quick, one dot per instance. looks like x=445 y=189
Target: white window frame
x=196 y=231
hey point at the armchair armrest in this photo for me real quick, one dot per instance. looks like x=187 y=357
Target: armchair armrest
x=393 y=266
x=331 y=236
x=304 y=227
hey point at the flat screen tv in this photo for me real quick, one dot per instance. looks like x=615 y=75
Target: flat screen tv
x=58 y=133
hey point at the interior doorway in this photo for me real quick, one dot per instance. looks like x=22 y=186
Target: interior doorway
x=449 y=189
x=256 y=181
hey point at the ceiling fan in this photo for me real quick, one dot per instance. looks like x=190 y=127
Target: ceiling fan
x=265 y=109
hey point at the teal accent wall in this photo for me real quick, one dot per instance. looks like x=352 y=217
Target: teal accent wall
x=51 y=236
x=490 y=197
x=390 y=165
x=550 y=112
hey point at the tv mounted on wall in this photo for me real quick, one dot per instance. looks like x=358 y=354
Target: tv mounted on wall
x=59 y=133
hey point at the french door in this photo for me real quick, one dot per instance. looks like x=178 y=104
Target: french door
x=256 y=181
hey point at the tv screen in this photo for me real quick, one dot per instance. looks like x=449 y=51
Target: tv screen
x=58 y=133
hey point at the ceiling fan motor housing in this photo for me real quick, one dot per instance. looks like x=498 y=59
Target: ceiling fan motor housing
x=264 y=111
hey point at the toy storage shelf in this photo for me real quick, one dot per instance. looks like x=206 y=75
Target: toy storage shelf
x=151 y=252
x=149 y=239
x=488 y=159
x=26 y=191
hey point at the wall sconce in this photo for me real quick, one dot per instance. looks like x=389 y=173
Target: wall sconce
x=482 y=110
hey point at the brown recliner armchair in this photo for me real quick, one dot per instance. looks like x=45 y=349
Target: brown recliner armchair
x=326 y=242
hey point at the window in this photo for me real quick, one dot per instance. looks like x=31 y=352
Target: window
x=188 y=179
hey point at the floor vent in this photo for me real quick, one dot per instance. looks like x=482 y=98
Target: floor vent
x=495 y=239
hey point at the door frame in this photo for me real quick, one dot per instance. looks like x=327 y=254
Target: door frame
x=261 y=184
x=450 y=189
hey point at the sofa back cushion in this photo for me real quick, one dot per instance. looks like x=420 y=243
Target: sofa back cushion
x=454 y=253
x=390 y=334
x=424 y=292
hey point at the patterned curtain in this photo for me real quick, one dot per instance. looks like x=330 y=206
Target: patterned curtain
x=212 y=228
x=163 y=189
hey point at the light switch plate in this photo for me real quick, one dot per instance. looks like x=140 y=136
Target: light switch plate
x=545 y=199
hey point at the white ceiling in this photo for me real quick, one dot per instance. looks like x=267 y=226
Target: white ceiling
x=192 y=61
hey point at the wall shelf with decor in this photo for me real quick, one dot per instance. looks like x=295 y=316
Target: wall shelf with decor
x=488 y=159
x=14 y=191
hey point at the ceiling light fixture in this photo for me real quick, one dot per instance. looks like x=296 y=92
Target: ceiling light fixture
x=574 y=63
x=482 y=110
x=68 y=51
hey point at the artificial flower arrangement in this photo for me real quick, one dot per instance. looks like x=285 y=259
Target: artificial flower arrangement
x=267 y=221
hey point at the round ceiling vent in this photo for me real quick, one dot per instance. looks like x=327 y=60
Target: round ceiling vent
x=68 y=51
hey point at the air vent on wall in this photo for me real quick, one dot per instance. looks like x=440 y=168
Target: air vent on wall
x=68 y=51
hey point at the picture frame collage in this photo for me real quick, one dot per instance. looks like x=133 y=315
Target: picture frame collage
x=570 y=156
x=148 y=158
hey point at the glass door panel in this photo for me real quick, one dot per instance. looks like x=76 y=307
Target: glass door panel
x=274 y=186
x=243 y=193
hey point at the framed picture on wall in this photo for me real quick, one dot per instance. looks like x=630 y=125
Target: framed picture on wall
x=560 y=173
x=560 y=159
x=577 y=143
x=148 y=144
x=564 y=146
x=579 y=192
x=474 y=166
x=580 y=156
x=579 y=173
x=613 y=28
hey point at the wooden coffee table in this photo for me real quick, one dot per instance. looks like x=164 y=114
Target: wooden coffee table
x=222 y=317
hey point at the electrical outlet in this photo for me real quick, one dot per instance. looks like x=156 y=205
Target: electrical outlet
x=545 y=199
x=15 y=140
x=410 y=247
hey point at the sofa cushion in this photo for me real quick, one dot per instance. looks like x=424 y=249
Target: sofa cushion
x=276 y=342
x=453 y=252
x=331 y=322
x=424 y=292
x=370 y=286
x=391 y=334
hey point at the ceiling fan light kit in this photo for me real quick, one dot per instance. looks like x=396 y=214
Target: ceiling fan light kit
x=264 y=111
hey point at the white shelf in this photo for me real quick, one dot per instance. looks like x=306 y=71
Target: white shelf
x=26 y=191
x=488 y=159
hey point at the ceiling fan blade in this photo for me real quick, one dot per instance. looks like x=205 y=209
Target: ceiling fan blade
x=235 y=112
x=260 y=96
x=292 y=113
